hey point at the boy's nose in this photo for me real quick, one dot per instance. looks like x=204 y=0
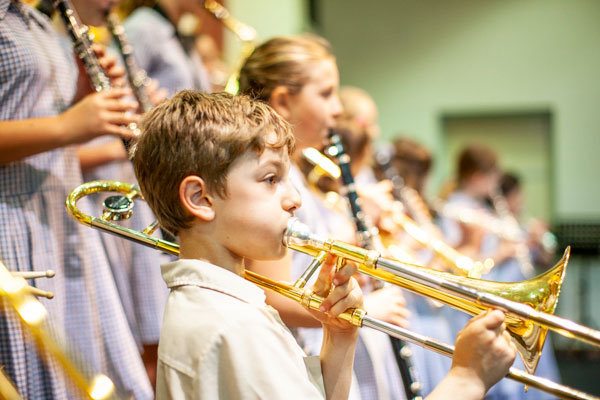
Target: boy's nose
x=292 y=200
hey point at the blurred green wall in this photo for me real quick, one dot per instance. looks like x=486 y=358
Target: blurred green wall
x=269 y=18
x=421 y=59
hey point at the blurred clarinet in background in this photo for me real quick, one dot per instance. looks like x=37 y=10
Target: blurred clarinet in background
x=366 y=237
x=137 y=77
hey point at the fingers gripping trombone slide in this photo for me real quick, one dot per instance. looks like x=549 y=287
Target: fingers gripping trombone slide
x=521 y=319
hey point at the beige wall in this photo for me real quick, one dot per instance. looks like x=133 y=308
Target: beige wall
x=269 y=18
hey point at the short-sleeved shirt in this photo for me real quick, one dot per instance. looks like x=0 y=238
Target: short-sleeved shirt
x=221 y=341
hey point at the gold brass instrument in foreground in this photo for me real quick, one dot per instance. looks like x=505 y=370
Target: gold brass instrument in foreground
x=34 y=317
x=469 y=295
x=7 y=388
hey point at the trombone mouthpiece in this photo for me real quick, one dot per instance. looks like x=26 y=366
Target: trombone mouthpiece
x=299 y=234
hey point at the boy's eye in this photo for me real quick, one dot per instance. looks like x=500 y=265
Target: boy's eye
x=272 y=179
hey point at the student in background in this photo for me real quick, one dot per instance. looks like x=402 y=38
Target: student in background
x=161 y=51
x=478 y=172
x=478 y=175
x=360 y=109
x=408 y=164
x=541 y=242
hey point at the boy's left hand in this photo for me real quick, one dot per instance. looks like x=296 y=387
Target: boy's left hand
x=341 y=292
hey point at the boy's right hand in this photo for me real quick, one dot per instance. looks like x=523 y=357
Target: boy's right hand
x=483 y=351
x=102 y=113
x=341 y=292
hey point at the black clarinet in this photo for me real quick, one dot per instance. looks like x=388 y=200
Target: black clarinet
x=82 y=46
x=137 y=77
x=402 y=351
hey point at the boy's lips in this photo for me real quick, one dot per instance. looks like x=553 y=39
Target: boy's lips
x=283 y=234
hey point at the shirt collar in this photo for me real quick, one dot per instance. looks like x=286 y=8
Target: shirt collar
x=187 y=272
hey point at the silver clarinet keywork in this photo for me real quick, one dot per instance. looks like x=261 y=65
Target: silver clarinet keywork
x=82 y=45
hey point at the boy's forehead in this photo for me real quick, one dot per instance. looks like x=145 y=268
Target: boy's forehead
x=274 y=155
x=269 y=155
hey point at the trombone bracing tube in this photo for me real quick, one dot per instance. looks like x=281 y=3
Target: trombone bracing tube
x=299 y=238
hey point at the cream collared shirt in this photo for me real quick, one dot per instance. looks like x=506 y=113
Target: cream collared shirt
x=221 y=341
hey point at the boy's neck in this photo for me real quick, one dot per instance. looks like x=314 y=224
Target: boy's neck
x=196 y=247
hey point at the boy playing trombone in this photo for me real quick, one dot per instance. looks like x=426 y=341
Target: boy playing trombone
x=214 y=169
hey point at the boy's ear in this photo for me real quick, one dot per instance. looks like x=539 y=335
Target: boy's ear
x=279 y=100
x=195 y=198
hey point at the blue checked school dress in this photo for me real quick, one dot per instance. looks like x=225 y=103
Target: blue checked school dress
x=136 y=268
x=37 y=79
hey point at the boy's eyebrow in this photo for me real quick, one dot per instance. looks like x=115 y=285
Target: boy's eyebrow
x=279 y=164
x=279 y=161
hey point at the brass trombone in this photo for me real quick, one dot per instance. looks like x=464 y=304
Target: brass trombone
x=528 y=314
x=7 y=388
